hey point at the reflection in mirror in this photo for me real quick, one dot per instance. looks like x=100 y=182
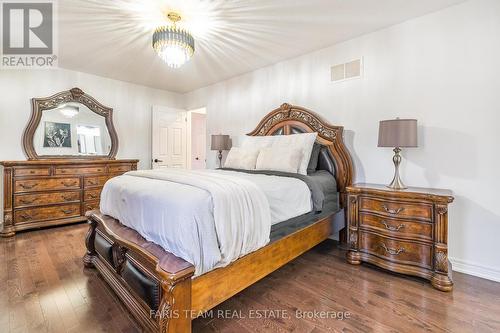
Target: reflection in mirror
x=72 y=129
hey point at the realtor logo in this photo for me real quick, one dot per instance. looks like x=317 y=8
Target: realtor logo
x=28 y=34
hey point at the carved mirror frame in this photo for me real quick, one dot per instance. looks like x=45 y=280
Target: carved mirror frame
x=38 y=105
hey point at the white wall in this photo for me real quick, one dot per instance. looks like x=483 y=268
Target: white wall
x=131 y=104
x=441 y=68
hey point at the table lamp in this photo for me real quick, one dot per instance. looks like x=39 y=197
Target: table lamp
x=397 y=133
x=220 y=142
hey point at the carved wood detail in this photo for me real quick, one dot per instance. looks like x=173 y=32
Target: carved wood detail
x=329 y=135
x=118 y=252
x=441 y=261
x=38 y=105
x=166 y=306
x=89 y=244
x=353 y=239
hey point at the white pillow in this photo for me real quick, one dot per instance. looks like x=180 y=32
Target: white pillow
x=302 y=141
x=285 y=159
x=258 y=142
x=241 y=158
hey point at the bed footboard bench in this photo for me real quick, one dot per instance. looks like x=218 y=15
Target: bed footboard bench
x=157 y=287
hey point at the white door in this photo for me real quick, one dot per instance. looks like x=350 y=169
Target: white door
x=198 y=140
x=169 y=138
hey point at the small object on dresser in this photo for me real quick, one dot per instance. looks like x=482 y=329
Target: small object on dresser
x=397 y=133
x=401 y=231
x=220 y=142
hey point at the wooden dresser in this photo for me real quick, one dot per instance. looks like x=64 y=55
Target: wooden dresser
x=402 y=231
x=50 y=192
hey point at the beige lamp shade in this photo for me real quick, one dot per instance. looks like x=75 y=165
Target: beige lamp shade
x=220 y=142
x=398 y=133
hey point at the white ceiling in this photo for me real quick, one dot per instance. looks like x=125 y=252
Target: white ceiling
x=112 y=38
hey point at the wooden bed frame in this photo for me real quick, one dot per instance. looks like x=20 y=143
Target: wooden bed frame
x=179 y=297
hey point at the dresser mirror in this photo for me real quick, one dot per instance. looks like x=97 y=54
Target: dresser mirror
x=70 y=124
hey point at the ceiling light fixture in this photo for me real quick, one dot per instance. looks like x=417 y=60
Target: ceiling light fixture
x=173 y=45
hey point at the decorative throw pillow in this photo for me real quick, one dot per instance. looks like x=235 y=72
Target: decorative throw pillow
x=285 y=159
x=257 y=142
x=302 y=141
x=241 y=158
x=313 y=161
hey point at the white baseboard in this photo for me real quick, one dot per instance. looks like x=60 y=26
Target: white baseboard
x=467 y=267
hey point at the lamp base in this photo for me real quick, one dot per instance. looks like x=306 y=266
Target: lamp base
x=397 y=183
x=219 y=156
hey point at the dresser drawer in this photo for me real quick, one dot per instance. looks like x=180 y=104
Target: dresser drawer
x=46 y=213
x=120 y=168
x=396 y=227
x=45 y=198
x=32 y=172
x=80 y=170
x=90 y=195
x=396 y=250
x=91 y=205
x=33 y=185
x=396 y=208
x=97 y=181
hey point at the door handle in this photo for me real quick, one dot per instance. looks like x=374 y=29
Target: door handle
x=197 y=158
x=157 y=160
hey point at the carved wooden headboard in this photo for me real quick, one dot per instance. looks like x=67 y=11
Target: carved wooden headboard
x=290 y=119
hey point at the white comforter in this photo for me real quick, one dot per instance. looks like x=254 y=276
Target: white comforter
x=208 y=217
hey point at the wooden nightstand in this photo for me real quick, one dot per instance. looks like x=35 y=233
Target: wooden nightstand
x=402 y=231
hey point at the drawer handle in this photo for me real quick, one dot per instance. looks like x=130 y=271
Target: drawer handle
x=67 y=211
x=91 y=182
x=68 y=198
x=391 y=251
x=28 y=187
x=32 y=172
x=26 y=217
x=66 y=184
x=92 y=196
x=27 y=202
x=392 y=228
x=393 y=211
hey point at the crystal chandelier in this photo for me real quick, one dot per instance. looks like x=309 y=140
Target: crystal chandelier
x=173 y=45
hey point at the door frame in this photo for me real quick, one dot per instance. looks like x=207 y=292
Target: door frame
x=189 y=135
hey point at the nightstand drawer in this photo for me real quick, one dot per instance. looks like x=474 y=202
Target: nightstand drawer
x=395 y=250
x=396 y=208
x=396 y=227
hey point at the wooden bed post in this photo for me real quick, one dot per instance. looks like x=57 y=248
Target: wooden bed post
x=89 y=243
x=175 y=306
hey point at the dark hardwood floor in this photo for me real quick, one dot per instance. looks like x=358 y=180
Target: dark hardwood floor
x=44 y=288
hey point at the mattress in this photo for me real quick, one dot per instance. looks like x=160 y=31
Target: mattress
x=324 y=201
x=210 y=218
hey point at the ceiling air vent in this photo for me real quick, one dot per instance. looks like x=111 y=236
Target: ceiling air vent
x=347 y=71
